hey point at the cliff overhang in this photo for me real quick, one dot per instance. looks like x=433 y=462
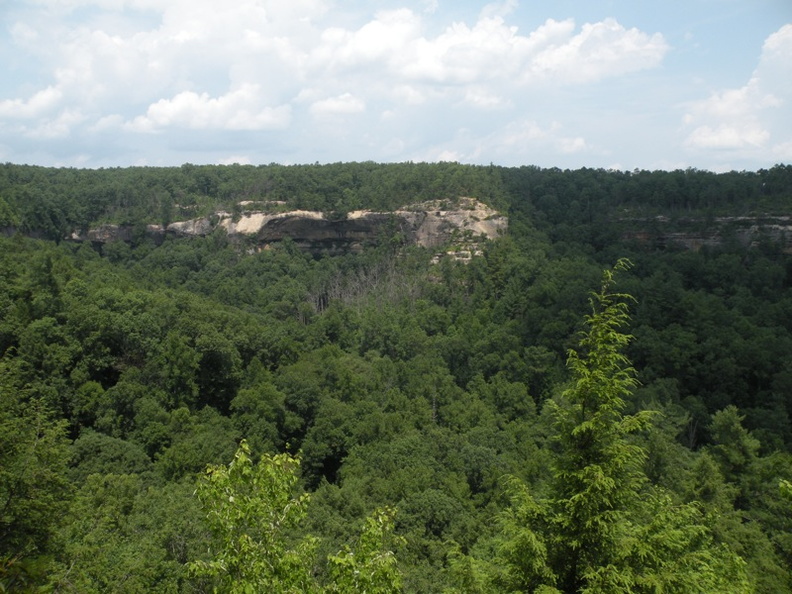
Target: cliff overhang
x=461 y=224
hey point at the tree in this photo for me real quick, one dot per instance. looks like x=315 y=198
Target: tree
x=115 y=538
x=255 y=516
x=34 y=489
x=370 y=566
x=603 y=527
x=8 y=215
x=251 y=509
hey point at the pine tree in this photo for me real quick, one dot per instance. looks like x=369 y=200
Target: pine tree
x=604 y=527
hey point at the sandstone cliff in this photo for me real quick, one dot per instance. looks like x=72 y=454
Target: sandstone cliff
x=430 y=224
x=694 y=233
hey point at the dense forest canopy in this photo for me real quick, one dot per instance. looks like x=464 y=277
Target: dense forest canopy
x=51 y=201
x=518 y=423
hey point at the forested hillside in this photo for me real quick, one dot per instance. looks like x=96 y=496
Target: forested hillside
x=580 y=406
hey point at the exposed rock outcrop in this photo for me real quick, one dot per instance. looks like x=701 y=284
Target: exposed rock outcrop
x=694 y=234
x=429 y=224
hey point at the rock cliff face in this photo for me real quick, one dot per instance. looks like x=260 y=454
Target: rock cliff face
x=429 y=224
x=458 y=227
x=694 y=234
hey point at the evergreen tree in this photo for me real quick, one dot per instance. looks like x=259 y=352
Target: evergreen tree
x=34 y=489
x=604 y=527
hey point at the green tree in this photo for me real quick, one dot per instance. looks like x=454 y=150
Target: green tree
x=8 y=216
x=34 y=490
x=251 y=510
x=257 y=520
x=735 y=450
x=114 y=538
x=371 y=565
x=603 y=527
x=786 y=489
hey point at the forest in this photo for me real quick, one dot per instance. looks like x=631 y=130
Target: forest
x=577 y=409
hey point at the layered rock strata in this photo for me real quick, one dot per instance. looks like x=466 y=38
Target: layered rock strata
x=428 y=224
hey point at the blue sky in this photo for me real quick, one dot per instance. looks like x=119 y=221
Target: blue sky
x=556 y=83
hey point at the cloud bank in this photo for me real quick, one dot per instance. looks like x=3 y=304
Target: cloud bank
x=750 y=117
x=305 y=80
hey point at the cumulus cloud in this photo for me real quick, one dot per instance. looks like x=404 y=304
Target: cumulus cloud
x=43 y=116
x=37 y=105
x=598 y=51
x=59 y=126
x=483 y=98
x=236 y=110
x=499 y=9
x=145 y=66
x=783 y=152
x=430 y=6
x=746 y=117
x=378 y=41
x=279 y=47
x=510 y=143
x=53 y=127
x=342 y=104
x=731 y=118
x=725 y=136
x=235 y=160
x=491 y=49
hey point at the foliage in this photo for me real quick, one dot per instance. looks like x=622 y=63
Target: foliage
x=115 y=538
x=602 y=528
x=251 y=510
x=33 y=487
x=403 y=381
x=371 y=565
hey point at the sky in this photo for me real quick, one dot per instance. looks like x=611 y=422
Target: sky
x=615 y=84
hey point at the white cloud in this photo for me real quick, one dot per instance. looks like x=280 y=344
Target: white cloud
x=526 y=135
x=58 y=127
x=748 y=117
x=110 y=122
x=342 y=104
x=776 y=46
x=447 y=155
x=482 y=98
x=511 y=143
x=180 y=46
x=401 y=78
x=377 y=41
x=39 y=104
x=490 y=50
x=730 y=119
x=69 y=5
x=571 y=145
x=783 y=152
x=600 y=50
x=24 y=35
x=430 y=6
x=234 y=160
x=278 y=46
x=237 y=110
x=742 y=135
x=409 y=95
x=498 y=9
x=46 y=128
x=460 y=55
